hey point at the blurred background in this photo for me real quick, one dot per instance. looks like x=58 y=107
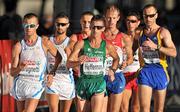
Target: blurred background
x=12 y=12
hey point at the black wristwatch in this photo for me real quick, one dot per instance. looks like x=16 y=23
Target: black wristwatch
x=114 y=70
x=52 y=73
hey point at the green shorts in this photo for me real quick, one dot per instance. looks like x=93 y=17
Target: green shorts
x=87 y=86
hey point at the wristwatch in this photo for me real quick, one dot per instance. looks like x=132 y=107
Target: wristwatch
x=52 y=73
x=114 y=70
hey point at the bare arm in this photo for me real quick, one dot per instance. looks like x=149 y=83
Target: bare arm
x=128 y=48
x=110 y=49
x=136 y=38
x=16 y=66
x=169 y=48
x=73 y=60
x=49 y=47
x=72 y=42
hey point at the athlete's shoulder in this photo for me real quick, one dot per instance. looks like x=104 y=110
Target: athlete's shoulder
x=74 y=37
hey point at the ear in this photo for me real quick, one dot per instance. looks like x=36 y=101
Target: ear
x=103 y=29
x=37 y=26
x=119 y=17
x=156 y=15
x=139 y=21
x=68 y=25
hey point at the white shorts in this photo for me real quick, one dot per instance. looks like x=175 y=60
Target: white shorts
x=65 y=90
x=23 y=89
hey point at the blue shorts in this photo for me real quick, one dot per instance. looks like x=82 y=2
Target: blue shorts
x=116 y=86
x=153 y=76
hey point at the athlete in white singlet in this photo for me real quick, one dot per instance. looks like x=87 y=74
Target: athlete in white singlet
x=29 y=65
x=63 y=87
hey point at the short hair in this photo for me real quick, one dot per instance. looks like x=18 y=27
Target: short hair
x=98 y=18
x=134 y=13
x=62 y=15
x=30 y=15
x=87 y=13
x=112 y=7
x=150 y=5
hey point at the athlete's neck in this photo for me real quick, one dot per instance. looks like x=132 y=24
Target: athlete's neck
x=131 y=33
x=95 y=40
x=86 y=33
x=31 y=39
x=59 y=38
x=113 y=30
x=151 y=28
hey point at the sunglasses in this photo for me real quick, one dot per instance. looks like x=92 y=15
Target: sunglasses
x=98 y=27
x=61 y=24
x=150 y=15
x=131 y=21
x=26 y=26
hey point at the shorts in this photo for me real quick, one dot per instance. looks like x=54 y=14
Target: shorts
x=117 y=85
x=87 y=86
x=63 y=85
x=131 y=81
x=23 y=89
x=154 y=77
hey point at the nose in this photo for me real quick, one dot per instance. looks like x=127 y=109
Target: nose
x=87 y=24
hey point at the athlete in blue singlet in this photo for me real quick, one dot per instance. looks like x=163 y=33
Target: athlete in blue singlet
x=155 y=44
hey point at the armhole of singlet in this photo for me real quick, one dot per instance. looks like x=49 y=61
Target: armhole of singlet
x=41 y=41
x=158 y=36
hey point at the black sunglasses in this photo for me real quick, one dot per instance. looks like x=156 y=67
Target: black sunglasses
x=131 y=21
x=150 y=15
x=26 y=26
x=61 y=24
x=98 y=27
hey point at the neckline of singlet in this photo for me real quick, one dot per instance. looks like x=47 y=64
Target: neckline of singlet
x=113 y=38
x=33 y=43
x=60 y=42
x=154 y=34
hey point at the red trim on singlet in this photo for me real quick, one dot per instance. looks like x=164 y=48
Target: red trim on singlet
x=116 y=41
x=79 y=36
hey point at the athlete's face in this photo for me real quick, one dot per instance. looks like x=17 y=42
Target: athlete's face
x=85 y=22
x=150 y=15
x=132 y=23
x=112 y=17
x=62 y=25
x=30 y=26
x=97 y=27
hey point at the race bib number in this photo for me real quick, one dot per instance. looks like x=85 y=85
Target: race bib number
x=93 y=68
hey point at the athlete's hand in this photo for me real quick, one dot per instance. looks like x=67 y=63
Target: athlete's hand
x=49 y=80
x=150 y=43
x=82 y=59
x=22 y=65
x=111 y=75
x=123 y=65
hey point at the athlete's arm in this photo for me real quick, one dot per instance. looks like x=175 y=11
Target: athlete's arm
x=111 y=51
x=49 y=47
x=136 y=38
x=128 y=49
x=73 y=60
x=72 y=41
x=169 y=48
x=16 y=66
